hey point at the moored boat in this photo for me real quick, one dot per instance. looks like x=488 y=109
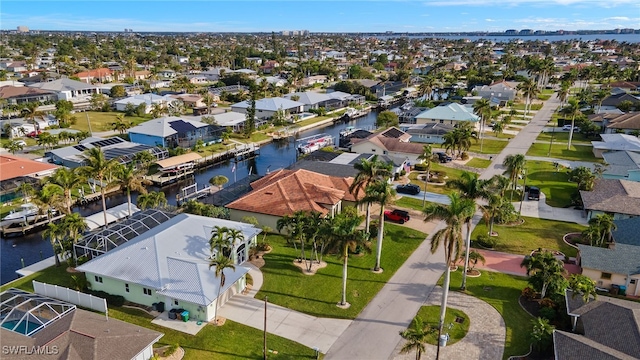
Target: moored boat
x=26 y=212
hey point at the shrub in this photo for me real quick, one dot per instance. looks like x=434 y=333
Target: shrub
x=548 y=313
x=172 y=349
x=373 y=229
x=113 y=300
x=486 y=241
x=547 y=303
x=403 y=172
x=262 y=246
x=464 y=156
x=528 y=293
x=420 y=167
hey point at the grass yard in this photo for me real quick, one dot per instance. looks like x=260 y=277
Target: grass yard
x=431 y=316
x=479 y=163
x=317 y=295
x=488 y=146
x=555 y=185
x=501 y=291
x=255 y=137
x=450 y=173
x=563 y=137
x=559 y=151
x=534 y=107
x=4 y=142
x=409 y=202
x=101 y=121
x=533 y=234
x=230 y=341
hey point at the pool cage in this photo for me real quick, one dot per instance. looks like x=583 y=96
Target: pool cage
x=97 y=243
x=26 y=313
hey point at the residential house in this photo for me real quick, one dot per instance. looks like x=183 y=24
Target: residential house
x=603 y=329
x=113 y=148
x=269 y=67
x=310 y=99
x=613 y=101
x=148 y=99
x=336 y=55
x=392 y=142
x=503 y=91
x=171 y=132
x=448 y=113
x=427 y=133
x=620 y=198
x=14 y=171
x=314 y=79
x=16 y=95
x=42 y=328
x=214 y=74
x=622 y=165
x=231 y=119
x=190 y=100
x=284 y=192
x=341 y=164
x=43 y=76
x=68 y=89
x=158 y=84
x=615 y=142
x=339 y=99
x=169 y=263
x=267 y=107
x=197 y=79
x=230 y=89
x=272 y=80
x=627 y=86
x=102 y=75
x=167 y=74
x=16 y=66
x=623 y=123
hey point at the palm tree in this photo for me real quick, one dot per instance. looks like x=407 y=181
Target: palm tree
x=129 y=179
x=529 y=90
x=380 y=192
x=474 y=257
x=233 y=236
x=152 y=199
x=221 y=263
x=572 y=110
x=31 y=112
x=482 y=108
x=120 y=125
x=50 y=197
x=515 y=163
x=14 y=146
x=67 y=180
x=491 y=209
x=27 y=191
x=605 y=226
x=143 y=159
x=74 y=226
x=416 y=336
x=471 y=188
x=219 y=241
x=428 y=156
x=294 y=225
x=563 y=92
x=498 y=128
x=544 y=270
x=454 y=215
x=219 y=181
x=99 y=169
x=344 y=236
x=368 y=172
x=54 y=232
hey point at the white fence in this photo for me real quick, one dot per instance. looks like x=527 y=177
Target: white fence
x=71 y=296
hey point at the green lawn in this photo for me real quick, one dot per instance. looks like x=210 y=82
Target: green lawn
x=410 y=203
x=431 y=316
x=450 y=173
x=488 y=146
x=533 y=234
x=4 y=142
x=555 y=185
x=501 y=291
x=101 y=121
x=317 y=295
x=230 y=341
x=559 y=151
x=255 y=137
x=479 y=163
x=520 y=106
x=563 y=136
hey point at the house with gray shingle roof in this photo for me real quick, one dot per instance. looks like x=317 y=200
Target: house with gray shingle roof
x=617 y=265
x=310 y=99
x=170 y=264
x=622 y=165
x=620 y=198
x=267 y=107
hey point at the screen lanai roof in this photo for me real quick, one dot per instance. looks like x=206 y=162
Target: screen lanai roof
x=26 y=313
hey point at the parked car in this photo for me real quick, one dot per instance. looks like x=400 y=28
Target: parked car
x=399 y=216
x=533 y=193
x=444 y=158
x=408 y=189
x=34 y=133
x=21 y=143
x=568 y=128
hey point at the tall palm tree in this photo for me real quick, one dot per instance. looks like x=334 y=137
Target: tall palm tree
x=152 y=199
x=491 y=209
x=529 y=90
x=454 y=215
x=563 y=92
x=74 y=226
x=54 y=232
x=219 y=241
x=368 y=172
x=473 y=188
x=233 y=236
x=428 y=156
x=416 y=336
x=482 y=108
x=129 y=179
x=572 y=110
x=67 y=180
x=380 y=192
x=99 y=169
x=344 y=236
x=221 y=263
x=294 y=225
x=515 y=163
x=605 y=226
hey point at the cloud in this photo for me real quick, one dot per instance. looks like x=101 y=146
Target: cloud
x=501 y=3
x=618 y=18
x=489 y=20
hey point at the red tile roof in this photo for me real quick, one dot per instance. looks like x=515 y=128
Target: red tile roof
x=286 y=191
x=97 y=73
x=12 y=167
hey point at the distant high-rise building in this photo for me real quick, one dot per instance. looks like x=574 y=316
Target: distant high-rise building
x=294 y=32
x=23 y=29
x=511 y=32
x=526 y=32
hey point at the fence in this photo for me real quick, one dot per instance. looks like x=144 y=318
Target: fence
x=71 y=296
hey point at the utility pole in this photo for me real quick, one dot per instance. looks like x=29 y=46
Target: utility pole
x=524 y=174
x=264 y=348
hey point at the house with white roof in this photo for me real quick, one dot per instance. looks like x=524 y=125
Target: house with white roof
x=451 y=113
x=170 y=264
x=502 y=91
x=172 y=131
x=68 y=89
x=148 y=99
x=310 y=99
x=622 y=165
x=267 y=107
x=615 y=142
x=232 y=119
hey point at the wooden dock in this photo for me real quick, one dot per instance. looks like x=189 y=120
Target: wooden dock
x=191 y=192
x=160 y=179
x=23 y=228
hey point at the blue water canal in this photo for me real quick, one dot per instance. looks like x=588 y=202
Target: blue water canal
x=29 y=249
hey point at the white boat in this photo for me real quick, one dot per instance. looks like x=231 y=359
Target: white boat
x=348 y=131
x=26 y=212
x=315 y=143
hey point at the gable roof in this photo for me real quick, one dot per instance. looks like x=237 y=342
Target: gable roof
x=64 y=84
x=8 y=91
x=613 y=195
x=569 y=346
x=616 y=99
x=101 y=72
x=622 y=259
x=270 y=104
x=450 y=111
x=172 y=258
x=621 y=162
x=627 y=231
x=12 y=167
x=284 y=192
x=164 y=126
x=617 y=142
x=309 y=97
x=629 y=121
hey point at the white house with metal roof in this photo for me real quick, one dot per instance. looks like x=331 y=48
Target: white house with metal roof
x=170 y=264
x=310 y=99
x=451 y=113
x=267 y=107
x=230 y=119
x=615 y=142
x=68 y=89
x=148 y=99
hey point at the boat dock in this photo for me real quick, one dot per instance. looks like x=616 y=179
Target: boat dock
x=242 y=151
x=162 y=179
x=191 y=192
x=41 y=221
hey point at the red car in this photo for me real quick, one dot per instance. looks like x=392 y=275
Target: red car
x=399 y=216
x=34 y=133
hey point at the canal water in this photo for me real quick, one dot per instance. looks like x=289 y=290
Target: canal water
x=19 y=251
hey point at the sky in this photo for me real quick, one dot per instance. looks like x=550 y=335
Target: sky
x=321 y=16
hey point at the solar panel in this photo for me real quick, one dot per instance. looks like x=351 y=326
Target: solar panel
x=181 y=126
x=392 y=133
x=107 y=142
x=80 y=147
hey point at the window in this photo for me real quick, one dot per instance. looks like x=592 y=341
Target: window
x=126 y=287
x=373 y=150
x=605 y=275
x=146 y=291
x=98 y=278
x=175 y=302
x=633 y=281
